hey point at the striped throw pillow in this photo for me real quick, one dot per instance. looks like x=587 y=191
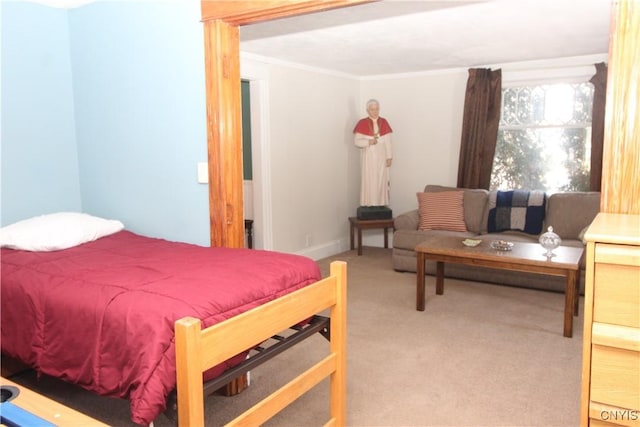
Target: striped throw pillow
x=441 y=211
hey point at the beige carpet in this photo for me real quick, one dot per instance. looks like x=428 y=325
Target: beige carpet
x=479 y=355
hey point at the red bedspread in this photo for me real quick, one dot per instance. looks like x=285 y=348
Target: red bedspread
x=101 y=314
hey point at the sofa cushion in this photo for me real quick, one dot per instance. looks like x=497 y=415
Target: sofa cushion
x=441 y=211
x=569 y=213
x=516 y=210
x=475 y=209
x=474 y=205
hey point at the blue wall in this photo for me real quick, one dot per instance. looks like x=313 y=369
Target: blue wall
x=39 y=153
x=137 y=71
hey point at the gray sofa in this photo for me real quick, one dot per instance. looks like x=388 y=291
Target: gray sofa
x=569 y=214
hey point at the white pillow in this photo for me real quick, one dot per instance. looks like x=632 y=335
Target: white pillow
x=56 y=231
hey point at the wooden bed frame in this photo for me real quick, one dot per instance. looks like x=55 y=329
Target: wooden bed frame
x=198 y=350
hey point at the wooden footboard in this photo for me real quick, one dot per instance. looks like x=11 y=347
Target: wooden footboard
x=198 y=350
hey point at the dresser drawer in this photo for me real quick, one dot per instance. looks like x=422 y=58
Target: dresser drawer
x=608 y=253
x=615 y=377
x=617 y=285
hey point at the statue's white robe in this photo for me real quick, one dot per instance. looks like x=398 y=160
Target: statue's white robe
x=374 y=172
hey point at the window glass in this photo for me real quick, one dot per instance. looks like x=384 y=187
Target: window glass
x=544 y=138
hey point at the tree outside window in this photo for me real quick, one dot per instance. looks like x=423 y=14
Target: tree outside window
x=544 y=138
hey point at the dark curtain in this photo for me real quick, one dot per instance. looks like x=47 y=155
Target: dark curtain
x=599 y=81
x=479 y=127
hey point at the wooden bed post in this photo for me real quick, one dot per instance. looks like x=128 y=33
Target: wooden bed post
x=198 y=350
x=338 y=345
x=189 y=358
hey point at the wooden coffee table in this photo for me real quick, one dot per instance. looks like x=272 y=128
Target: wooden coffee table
x=527 y=257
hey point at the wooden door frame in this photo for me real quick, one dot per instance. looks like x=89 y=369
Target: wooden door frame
x=221 y=19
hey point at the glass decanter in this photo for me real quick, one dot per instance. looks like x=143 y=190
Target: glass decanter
x=549 y=241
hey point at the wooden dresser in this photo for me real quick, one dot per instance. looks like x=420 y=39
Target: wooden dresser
x=611 y=347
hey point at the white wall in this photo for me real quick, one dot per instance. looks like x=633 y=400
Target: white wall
x=314 y=166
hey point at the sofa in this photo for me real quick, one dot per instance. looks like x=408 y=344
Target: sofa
x=569 y=213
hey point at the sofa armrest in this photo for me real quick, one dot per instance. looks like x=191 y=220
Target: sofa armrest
x=569 y=213
x=407 y=221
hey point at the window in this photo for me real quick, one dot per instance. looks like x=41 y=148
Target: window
x=544 y=138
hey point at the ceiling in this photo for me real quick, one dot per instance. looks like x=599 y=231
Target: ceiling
x=403 y=36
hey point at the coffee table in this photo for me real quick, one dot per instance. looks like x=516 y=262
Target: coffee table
x=528 y=257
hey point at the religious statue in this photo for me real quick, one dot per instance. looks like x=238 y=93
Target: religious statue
x=373 y=138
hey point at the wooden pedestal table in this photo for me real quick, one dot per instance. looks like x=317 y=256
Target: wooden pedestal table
x=528 y=257
x=368 y=224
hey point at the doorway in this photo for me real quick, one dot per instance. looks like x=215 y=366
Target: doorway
x=257 y=199
x=247 y=166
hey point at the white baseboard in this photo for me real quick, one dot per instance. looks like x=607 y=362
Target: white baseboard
x=341 y=245
x=325 y=250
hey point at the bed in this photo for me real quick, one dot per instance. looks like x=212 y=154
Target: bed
x=102 y=313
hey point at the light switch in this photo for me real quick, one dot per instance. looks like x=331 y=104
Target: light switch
x=203 y=173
